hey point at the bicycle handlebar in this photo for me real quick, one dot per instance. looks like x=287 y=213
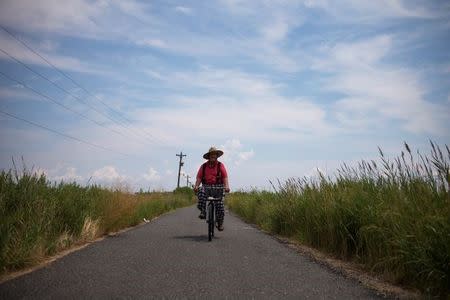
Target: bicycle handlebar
x=214 y=188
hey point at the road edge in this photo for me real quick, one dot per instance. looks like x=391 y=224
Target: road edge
x=345 y=268
x=75 y=247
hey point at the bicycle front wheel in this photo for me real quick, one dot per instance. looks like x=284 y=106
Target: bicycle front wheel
x=210 y=221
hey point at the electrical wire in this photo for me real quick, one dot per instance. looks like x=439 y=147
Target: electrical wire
x=60 y=88
x=70 y=78
x=62 y=134
x=58 y=103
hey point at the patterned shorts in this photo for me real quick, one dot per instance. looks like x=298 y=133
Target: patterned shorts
x=219 y=206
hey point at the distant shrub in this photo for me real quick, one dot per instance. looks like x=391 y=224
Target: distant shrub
x=185 y=190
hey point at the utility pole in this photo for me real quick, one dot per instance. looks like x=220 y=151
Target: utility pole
x=187 y=180
x=181 y=155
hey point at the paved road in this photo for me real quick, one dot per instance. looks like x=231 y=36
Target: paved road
x=171 y=258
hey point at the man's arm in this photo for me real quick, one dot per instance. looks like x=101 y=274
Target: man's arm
x=227 y=186
x=199 y=178
x=197 y=184
x=225 y=178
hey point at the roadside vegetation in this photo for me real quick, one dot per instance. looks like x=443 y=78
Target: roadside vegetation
x=392 y=216
x=39 y=218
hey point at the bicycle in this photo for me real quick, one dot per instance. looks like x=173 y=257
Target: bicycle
x=215 y=194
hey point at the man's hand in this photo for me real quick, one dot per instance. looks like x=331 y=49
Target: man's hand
x=195 y=189
x=227 y=190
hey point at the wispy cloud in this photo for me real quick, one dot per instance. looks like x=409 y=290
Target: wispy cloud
x=91 y=20
x=251 y=102
x=371 y=11
x=314 y=80
x=48 y=16
x=16 y=92
x=234 y=152
x=64 y=62
x=376 y=91
x=184 y=10
x=152 y=175
x=158 y=43
x=70 y=175
x=108 y=174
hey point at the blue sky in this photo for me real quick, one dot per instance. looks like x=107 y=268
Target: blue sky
x=284 y=87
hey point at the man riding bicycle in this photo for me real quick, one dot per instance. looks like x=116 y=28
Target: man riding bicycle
x=211 y=174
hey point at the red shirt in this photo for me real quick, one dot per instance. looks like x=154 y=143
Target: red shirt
x=211 y=173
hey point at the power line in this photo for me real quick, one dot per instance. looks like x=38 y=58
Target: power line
x=59 y=87
x=62 y=134
x=70 y=78
x=53 y=83
x=60 y=104
x=64 y=106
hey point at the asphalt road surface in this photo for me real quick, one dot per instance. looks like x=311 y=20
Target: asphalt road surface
x=172 y=258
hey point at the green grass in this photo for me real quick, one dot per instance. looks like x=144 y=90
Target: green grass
x=392 y=216
x=40 y=218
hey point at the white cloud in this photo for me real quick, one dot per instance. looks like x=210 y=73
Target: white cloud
x=183 y=9
x=360 y=54
x=9 y=131
x=239 y=6
x=15 y=93
x=51 y=15
x=131 y=7
x=244 y=156
x=152 y=175
x=48 y=46
x=158 y=43
x=245 y=106
x=107 y=173
x=225 y=81
x=70 y=175
x=21 y=53
x=276 y=31
x=355 y=11
x=154 y=74
x=376 y=92
x=242 y=102
x=232 y=145
x=267 y=27
x=61 y=173
x=80 y=18
x=234 y=153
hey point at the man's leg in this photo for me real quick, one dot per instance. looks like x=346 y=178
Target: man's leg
x=201 y=205
x=220 y=214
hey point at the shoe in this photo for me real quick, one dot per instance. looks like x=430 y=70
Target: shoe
x=220 y=226
x=202 y=215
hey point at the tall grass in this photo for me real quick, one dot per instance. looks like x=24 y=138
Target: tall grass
x=39 y=218
x=392 y=216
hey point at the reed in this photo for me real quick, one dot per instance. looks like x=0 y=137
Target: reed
x=391 y=215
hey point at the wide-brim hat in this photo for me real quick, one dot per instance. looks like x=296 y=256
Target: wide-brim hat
x=213 y=150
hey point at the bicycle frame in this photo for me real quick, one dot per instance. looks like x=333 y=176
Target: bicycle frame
x=218 y=194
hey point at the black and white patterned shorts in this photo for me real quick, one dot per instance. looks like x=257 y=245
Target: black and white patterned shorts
x=203 y=195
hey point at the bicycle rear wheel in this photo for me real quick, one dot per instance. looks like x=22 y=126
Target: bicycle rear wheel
x=210 y=221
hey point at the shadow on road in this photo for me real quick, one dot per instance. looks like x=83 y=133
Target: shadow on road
x=195 y=238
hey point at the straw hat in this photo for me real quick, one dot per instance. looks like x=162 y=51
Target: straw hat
x=213 y=150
